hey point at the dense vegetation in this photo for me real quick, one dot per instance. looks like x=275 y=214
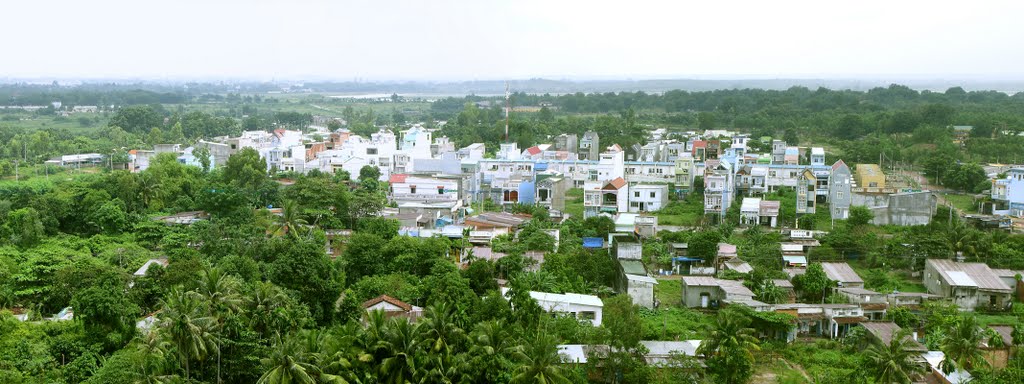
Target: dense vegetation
x=252 y=296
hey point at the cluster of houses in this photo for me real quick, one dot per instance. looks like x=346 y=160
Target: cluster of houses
x=429 y=176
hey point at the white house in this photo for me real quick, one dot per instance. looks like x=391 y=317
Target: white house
x=583 y=307
x=647 y=197
x=605 y=197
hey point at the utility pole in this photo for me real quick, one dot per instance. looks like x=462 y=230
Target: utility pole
x=15 y=170
x=508 y=107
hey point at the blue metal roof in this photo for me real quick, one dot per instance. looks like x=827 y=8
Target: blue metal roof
x=593 y=242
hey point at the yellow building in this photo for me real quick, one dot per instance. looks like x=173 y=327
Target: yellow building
x=869 y=176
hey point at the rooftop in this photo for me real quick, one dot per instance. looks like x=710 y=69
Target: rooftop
x=968 y=274
x=841 y=272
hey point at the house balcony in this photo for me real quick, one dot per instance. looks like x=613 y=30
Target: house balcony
x=428 y=197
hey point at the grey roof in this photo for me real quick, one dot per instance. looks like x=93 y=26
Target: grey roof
x=739 y=266
x=968 y=274
x=858 y=291
x=885 y=332
x=782 y=283
x=841 y=272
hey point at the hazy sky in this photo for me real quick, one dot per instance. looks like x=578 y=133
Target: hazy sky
x=467 y=40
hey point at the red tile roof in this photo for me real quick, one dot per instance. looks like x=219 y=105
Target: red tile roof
x=397 y=178
x=533 y=150
x=391 y=300
x=618 y=183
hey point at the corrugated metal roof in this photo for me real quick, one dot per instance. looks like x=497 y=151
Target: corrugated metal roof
x=841 y=272
x=885 y=332
x=977 y=274
x=700 y=281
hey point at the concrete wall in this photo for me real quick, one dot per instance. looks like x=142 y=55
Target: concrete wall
x=916 y=208
x=643 y=293
x=691 y=295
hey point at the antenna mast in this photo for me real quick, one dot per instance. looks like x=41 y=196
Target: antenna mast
x=507 y=109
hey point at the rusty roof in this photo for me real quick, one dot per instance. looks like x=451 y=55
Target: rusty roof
x=618 y=183
x=884 y=332
x=841 y=272
x=979 y=273
x=391 y=300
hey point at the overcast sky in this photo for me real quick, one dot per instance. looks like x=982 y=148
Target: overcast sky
x=487 y=40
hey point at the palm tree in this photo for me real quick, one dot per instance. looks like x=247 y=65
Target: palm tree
x=153 y=349
x=491 y=351
x=539 y=362
x=401 y=348
x=771 y=293
x=290 y=221
x=962 y=345
x=440 y=333
x=264 y=300
x=892 y=363
x=730 y=348
x=289 y=363
x=220 y=293
x=149 y=188
x=186 y=324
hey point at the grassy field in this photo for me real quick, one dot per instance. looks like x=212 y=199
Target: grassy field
x=574 y=202
x=964 y=203
x=669 y=291
x=79 y=123
x=687 y=212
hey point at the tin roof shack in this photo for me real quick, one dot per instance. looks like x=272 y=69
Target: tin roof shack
x=832 y=320
x=843 y=275
x=911 y=300
x=582 y=307
x=873 y=303
x=885 y=331
x=499 y=222
x=786 y=286
x=626 y=247
x=710 y=292
x=640 y=288
x=968 y=285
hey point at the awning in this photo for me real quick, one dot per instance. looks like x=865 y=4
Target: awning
x=683 y=258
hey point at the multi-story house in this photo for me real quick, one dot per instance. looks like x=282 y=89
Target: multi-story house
x=719 y=186
x=839 y=193
x=567 y=142
x=649 y=172
x=434 y=197
x=792 y=156
x=647 y=197
x=1008 y=194
x=806 y=197
x=605 y=197
x=684 y=171
x=778 y=151
x=590 y=146
x=551 y=189
x=699 y=150
x=817 y=156
x=473 y=151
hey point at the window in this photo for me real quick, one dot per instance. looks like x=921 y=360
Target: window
x=587 y=315
x=652 y=195
x=839 y=195
x=636 y=194
x=634 y=204
x=412 y=189
x=371 y=151
x=440 y=190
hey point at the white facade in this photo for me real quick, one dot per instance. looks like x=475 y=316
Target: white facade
x=582 y=307
x=647 y=197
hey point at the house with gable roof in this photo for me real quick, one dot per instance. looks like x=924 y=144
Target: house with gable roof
x=968 y=285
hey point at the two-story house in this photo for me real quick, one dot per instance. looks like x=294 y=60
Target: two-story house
x=839 y=190
x=1008 y=194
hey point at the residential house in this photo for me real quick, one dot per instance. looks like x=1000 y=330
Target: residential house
x=1008 y=194
x=551 y=190
x=791 y=156
x=750 y=211
x=582 y=307
x=839 y=192
x=634 y=281
x=567 y=142
x=710 y=292
x=1009 y=277
x=684 y=174
x=832 y=320
x=817 y=156
x=806 y=197
x=968 y=285
x=393 y=307
x=718 y=188
x=912 y=300
x=605 y=197
x=768 y=210
x=590 y=146
x=884 y=332
x=873 y=304
x=869 y=178
x=843 y=275
x=647 y=197
x=435 y=197
x=778 y=151
x=498 y=222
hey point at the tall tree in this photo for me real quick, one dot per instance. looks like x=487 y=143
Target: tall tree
x=729 y=349
x=894 y=362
